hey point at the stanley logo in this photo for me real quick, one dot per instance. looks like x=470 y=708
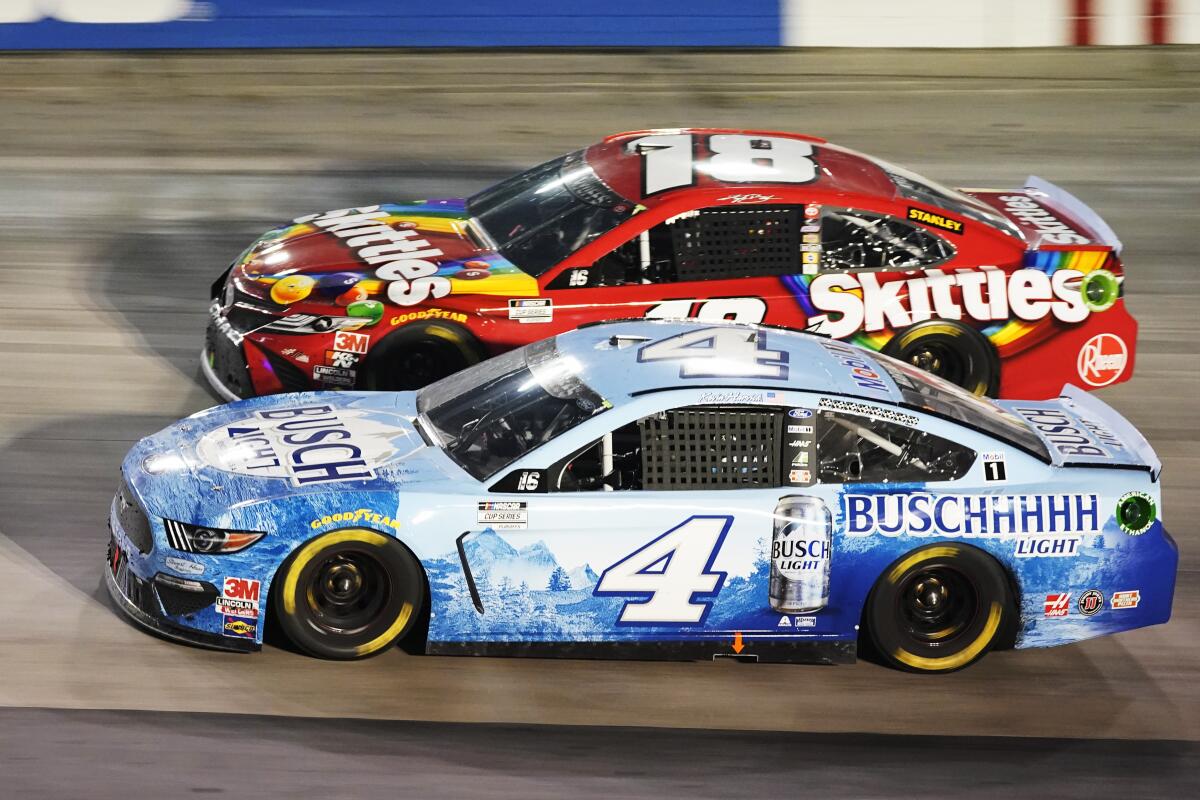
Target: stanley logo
x=935 y=220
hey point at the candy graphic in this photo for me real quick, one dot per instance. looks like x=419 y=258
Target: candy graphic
x=291 y=289
x=351 y=295
x=471 y=274
x=335 y=283
x=370 y=309
x=476 y=264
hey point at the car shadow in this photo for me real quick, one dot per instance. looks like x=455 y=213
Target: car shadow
x=156 y=265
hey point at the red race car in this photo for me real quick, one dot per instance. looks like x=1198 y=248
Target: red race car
x=1007 y=293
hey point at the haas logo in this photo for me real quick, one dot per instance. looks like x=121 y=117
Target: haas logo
x=1102 y=359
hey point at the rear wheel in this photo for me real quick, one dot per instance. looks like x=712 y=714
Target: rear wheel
x=418 y=355
x=950 y=350
x=939 y=609
x=348 y=594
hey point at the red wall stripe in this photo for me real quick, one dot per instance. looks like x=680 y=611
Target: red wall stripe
x=1081 y=22
x=1156 y=22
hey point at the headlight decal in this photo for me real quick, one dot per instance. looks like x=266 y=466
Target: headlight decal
x=208 y=541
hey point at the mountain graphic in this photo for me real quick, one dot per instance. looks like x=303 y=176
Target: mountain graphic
x=583 y=577
x=490 y=552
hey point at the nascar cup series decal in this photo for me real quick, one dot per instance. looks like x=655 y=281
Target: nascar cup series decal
x=308 y=445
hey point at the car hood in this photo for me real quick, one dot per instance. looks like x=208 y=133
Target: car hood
x=339 y=258
x=285 y=445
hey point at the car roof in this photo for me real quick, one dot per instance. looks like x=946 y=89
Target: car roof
x=841 y=170
x=612 y=365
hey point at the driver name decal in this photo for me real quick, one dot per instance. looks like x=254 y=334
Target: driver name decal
x=855 y=302
x=399 y=255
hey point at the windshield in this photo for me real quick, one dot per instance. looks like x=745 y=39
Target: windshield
x=489 y=415
x=541 y=216
x=915 y=187
x=927 y=392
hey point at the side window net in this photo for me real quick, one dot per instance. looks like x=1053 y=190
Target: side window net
x=736 y=243
x=710 y=449
x=858 y=449
x=853 y=239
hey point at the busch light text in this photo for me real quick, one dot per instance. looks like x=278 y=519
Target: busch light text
x=921 y=514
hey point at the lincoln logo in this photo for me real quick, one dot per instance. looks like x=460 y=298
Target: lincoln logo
x=1102 y=359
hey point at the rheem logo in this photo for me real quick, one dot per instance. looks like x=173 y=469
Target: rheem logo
x=1102 y=359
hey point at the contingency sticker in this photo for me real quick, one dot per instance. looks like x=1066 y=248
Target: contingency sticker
x=239 y=598
x=504 y=515
x=535 y=309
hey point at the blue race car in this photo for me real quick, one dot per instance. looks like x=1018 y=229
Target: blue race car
x=650 y=490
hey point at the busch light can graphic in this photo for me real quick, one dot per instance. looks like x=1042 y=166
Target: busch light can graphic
x=800 y=548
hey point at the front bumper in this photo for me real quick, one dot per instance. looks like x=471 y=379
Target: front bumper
x=223 y=361
x=123 y=588
x=141 y=576
x=140 y=602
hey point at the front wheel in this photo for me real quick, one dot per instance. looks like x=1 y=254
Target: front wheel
x=419 y=354
x=950 y=350
x=939 y=609
x=348 y=594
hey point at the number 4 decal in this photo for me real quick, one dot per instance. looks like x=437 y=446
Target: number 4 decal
x=719 y=353
x=672 y=574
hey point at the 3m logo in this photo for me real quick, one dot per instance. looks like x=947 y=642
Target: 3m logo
x=1058 y=605
x=348 y=342
x=1127 y=599
x=242 y=589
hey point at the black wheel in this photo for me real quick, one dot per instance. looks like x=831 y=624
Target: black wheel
x=418 y=355
x=348 y=594
x=950 y=350
x=939 y=609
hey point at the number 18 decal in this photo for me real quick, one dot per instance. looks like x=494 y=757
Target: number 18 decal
x=672 y=574
x=719 y=353
x=668 y=160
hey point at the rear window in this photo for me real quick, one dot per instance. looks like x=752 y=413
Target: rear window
x=926 y=392
x=915 y=187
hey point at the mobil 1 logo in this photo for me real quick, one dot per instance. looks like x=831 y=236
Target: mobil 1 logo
x=993 y=468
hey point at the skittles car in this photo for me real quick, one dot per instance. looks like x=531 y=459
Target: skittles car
x=1009 y=294
x=653 y=490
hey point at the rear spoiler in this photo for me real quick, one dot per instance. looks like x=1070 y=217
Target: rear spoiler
x=1060 y=198
x=1080 y=430
x=1091 y=409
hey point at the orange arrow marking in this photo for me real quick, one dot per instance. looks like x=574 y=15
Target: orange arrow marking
x=737 y=642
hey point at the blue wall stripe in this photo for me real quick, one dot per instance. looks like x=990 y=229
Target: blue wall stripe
x=422 y=23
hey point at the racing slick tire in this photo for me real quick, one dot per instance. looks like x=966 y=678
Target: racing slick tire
x=419 y=354
x=348 y=594
x=939 y=608
x=950 y=350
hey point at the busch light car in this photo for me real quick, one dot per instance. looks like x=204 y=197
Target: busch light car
x=649 y=489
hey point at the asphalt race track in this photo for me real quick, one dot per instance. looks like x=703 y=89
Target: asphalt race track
x=127 y=183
